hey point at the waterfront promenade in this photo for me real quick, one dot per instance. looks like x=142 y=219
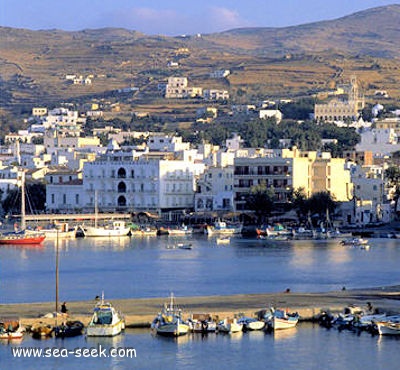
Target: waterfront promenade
x=140 y=312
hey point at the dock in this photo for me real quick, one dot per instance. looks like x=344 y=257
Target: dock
x=140 y=312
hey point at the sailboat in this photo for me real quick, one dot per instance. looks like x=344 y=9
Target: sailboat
x=24 y=236
x=115 y=228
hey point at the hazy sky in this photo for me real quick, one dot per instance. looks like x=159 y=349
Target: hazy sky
x=174 y=17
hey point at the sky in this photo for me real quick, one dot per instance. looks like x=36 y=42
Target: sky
x=174 y=17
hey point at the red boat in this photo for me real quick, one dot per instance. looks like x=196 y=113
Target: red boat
x=20 y=238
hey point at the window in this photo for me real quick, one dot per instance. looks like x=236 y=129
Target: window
x=76 y=198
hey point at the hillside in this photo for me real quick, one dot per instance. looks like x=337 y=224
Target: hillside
x=265 y=62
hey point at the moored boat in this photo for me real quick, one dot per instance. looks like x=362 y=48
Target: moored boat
x=11 y=330
x=250 y=323
x=69 y=329
x=223 y=240
x=354 y=242
x=221 y=227
x=21 y=238
x=41 y=330
x=229 y=326
x=202 y=323
x=388 y=327
x=106 y=321
x=114 y=229
x=280 y=319
x=169 y=321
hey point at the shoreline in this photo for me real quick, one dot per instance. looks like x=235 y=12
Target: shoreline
x=140 y=312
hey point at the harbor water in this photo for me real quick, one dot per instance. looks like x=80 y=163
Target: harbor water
x=146 y=267
x=153 y=267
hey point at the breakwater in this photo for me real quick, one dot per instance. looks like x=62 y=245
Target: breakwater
x=141 y=311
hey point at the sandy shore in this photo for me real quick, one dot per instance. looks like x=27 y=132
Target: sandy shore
x=140 y=312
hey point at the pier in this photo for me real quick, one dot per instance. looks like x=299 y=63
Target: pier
x=141 y=311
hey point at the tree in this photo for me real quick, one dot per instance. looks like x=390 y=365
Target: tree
x=392 y=174
x=299 y=203
x=260 y=199
x=321 y=202
x=36 y=199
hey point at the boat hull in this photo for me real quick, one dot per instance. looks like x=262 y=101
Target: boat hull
x=388 y=328
x=172 y=330
x=21 y=239
x=280 y=324
x=105 y=330
x=103 y=232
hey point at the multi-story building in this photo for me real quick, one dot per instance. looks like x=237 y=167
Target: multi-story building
x=285 y=170
x=215 y=190
x=130 y=181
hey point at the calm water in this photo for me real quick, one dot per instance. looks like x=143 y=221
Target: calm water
x=146 y=268
x=307 y=347
x=128 y=268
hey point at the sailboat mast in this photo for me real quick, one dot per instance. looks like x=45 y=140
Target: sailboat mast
x=57 y=261
x=96 y=209
x=23 y=221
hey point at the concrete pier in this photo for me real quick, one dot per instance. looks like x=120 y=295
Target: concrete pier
x=140 y=312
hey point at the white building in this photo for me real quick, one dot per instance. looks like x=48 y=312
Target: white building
x=130 y=182
x=269 y=113
x=215 y=190
x=379 y=141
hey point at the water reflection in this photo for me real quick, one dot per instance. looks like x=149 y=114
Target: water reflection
x=284 y=335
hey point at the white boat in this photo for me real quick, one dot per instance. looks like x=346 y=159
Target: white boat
x=62 y=231
x=106 y=321
x=223 y=240
x=181 y=231
x=388 y=327
x=146 y=231
x=250 y=323
x=229 y=326
x=11 y=330
x=221 y=227
x=169 y=321
x=281 y=319
x=115 y=228
x=202 y=323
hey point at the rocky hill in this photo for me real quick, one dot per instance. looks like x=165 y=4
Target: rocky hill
x=265 y=62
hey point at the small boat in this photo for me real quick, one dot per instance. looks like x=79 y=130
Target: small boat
x=250 y=323
x=221 y=227
x=169 y=321
x=223 y=240
x=184 y=246
x=41 y=330
x=180 y=231
x=354 y=242
x=11 y=330
x=21 y=238
x=69 y=329
x=114 y=229
x=280 y=319
x=388 y=327
x=145 y=231
x=229 y=326
x=202 y=323
x=62 y=231
x=106 y=321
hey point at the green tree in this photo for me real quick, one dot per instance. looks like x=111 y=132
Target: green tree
x=260 y=199
x=321 y=202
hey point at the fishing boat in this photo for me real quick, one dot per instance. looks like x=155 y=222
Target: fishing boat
x=115 y=228
x=280 y=319
x=169 y=321
x=111 y=229
x=180 y=231
x=221 y=227
x=250 y=323
x=69 y=329
x=229 y=326
x=106 y=321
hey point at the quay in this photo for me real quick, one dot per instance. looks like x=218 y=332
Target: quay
x=140 y=312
